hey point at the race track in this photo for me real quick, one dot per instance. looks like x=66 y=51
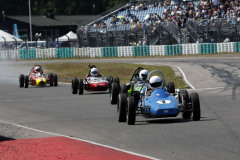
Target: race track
x=54 y=111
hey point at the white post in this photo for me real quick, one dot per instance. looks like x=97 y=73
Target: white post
x=30 y=19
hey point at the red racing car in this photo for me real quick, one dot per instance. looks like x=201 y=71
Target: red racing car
x=36 y=77
x=92 y=82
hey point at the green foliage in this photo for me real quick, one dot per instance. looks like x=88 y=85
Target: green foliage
x=59 y=7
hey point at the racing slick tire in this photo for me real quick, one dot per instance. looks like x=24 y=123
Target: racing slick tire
x=80 y=86
x=50 y=78
x=55 y=80
x=131 y=110
x=196 y=111
x=114 y=93
x=75 y=84
x=21 y=81
x=123 y=89
x=116 y=80
x=121 y=107
x=110 y=80
x=171 y=87
x=26 y=81
x=184 y=99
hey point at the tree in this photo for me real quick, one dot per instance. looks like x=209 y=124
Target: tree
x=58 y=7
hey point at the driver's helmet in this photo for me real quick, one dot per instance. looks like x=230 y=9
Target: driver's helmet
x=155 y=82
x=94 y=72
x=143 y=74
x=37 y=69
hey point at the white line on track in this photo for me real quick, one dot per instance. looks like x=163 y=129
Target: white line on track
x=44 y=98
x=55 y=134
x=186 y=80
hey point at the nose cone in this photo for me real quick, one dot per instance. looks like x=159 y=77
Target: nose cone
x=41 y=82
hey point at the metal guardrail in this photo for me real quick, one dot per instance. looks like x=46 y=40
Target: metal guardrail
x=104 y=14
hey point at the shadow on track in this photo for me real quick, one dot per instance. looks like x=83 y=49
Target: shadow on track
x=2 y=138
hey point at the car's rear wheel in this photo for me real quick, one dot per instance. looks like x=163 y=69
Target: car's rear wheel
x=80 y=86
x=171 y=87
x=75 y=84
x=21 y=81
x=123 y=89
x=26 y=81
x=131 y=110
x=122 y=107
x=55 y=80
x=196 y=111
x=114 y=93
x=116 y=80
x=184 y=99
x=110 y=80
x=50 y=78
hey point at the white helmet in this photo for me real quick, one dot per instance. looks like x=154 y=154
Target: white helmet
x=37 y=69
x=155 y=82
x=94 y=72
x=143 y=74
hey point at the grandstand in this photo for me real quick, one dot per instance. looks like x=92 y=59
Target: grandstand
x=163 y=22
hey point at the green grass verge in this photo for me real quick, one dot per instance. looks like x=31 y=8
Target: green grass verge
x=66 y=71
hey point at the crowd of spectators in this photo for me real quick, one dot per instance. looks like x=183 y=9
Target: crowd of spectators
x=179 y=12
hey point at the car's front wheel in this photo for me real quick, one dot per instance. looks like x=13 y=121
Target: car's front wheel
x=171 y=87
x=74 y=85
x=123 y=89
x=122 y=107
x=114 y=93
x=26 y=81
x=21 y=81
x=184 y=100
x=80 y=86
x=131 y=110
x=196 y=111
x=50 y=78
x=55 y=80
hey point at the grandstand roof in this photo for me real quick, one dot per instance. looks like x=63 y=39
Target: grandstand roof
x=60 y=20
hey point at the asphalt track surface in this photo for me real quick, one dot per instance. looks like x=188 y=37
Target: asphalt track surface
x=54 y=111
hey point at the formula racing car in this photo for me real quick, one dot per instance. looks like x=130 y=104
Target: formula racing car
x=92 y=82
x=135 y=84
x=157 y=103
x=37 y=77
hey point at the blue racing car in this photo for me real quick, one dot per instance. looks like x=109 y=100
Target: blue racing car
x=157 y=103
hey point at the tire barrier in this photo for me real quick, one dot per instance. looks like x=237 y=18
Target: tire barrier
x=236 y=47
x=64 y=53
x=141 y=51
x=27 y=54
x=157 y=50
x=45 y=53
x=121 y=51
x=207 y=48
x=9 y=54
x=109 y=52
x=173 y=50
